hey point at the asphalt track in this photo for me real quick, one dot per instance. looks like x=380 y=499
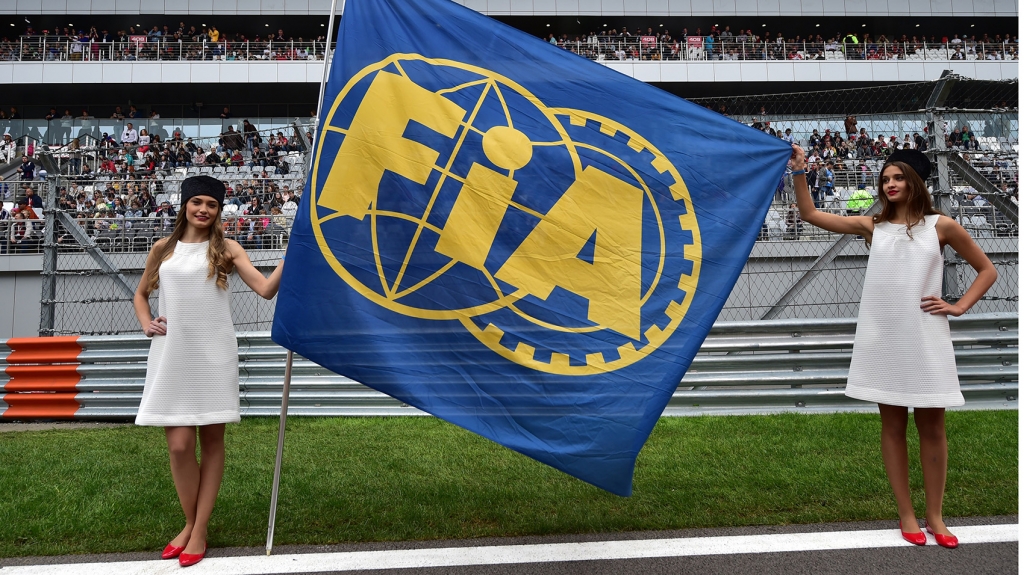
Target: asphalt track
x=988 y=545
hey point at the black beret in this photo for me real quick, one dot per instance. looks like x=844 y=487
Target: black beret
x=202 y=186
x=913 y=158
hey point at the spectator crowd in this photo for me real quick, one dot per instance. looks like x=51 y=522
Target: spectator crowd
x=189 y=42
x=724 y=44
x=121 y=189
x=166 y=42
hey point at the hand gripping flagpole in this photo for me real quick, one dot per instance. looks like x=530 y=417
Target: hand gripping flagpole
x=288 y=363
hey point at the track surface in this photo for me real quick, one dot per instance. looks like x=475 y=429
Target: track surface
x=988 y=545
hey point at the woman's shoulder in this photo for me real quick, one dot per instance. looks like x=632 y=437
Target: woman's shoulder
x=233 y=247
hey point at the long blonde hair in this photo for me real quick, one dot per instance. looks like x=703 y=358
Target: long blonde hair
x=221 y=263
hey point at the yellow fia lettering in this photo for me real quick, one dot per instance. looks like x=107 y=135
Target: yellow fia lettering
x=374 y=142
x=548 y=257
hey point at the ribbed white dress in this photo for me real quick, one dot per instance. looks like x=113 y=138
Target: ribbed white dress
x=901 y=354
x=192 y=372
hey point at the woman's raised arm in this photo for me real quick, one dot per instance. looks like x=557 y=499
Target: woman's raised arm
x=858 y=225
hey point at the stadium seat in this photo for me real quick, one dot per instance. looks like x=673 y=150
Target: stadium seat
x=983 y=229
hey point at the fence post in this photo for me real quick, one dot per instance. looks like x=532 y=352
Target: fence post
x=47 y=305
x=942 y=189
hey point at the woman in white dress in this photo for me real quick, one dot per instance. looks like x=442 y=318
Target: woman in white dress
x=902 y=353
x=192 y=370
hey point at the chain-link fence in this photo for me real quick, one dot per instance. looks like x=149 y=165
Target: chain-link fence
x=99 y=227
x=794 y=271
x=90 y=300
x=799 y=271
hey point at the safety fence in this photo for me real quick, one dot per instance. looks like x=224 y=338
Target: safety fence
x=665 y=47
x=742 y=367
x=141 y=49
x=594 y=47
x=83 y=126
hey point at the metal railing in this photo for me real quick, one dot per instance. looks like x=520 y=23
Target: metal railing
x=597 y=47
x=119 y=234
x=71 y=49
x=654 y=48
x=90 y=130
x=742 y=367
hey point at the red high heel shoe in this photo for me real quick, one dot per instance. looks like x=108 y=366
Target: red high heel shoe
x=187 y=559
x=918 y=538
x=947 y=541
x=171 y=551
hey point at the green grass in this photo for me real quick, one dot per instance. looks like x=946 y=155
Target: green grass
x=383 y=479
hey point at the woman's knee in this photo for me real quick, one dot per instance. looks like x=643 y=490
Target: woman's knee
x=211 y=437
x=931 y=424
x=181 y=442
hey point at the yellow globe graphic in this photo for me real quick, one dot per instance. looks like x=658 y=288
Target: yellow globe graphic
x=391 y=251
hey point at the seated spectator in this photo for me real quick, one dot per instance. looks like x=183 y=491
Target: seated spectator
x=33 y=200
x=253 y=208
x=8 y=149
x=212 y=157
x=232 y=226
x=251 y=235
x=20 y=234
x=278 y=222
x=164 y=218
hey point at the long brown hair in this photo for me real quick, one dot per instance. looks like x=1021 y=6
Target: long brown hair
x=221 y=264
x=919 y=201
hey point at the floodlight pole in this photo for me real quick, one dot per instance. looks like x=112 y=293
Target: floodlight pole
x=288 y=362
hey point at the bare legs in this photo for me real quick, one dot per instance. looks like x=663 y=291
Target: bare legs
x=197 y=484
x=931 y=428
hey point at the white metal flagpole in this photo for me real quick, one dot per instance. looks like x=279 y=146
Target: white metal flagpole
x=288 y=364
x=280 y=450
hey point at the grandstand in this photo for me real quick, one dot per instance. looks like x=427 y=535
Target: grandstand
x=175 y=82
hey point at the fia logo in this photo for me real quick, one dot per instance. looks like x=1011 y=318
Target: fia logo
x=562 y=240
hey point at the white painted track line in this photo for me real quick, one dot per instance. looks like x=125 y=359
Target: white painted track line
x=522 y=554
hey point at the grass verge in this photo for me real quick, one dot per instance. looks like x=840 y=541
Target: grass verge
x=385 y=479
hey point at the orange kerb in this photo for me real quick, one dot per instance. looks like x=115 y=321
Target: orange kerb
x=63 y=349
x=63 y=377
x=40 y=406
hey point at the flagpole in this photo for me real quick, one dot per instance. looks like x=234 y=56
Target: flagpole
x=288 y=362
x=280 y=450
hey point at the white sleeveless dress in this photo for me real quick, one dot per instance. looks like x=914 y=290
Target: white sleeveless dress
x=192 y=372
x=903 y=355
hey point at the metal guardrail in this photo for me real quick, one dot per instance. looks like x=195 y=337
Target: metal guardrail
x=594 y=47
x=743 y=368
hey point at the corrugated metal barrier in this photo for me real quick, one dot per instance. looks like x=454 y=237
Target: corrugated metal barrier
x=744 y=367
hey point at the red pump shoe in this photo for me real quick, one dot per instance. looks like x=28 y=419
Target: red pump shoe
x=187 y=559
x=947 y=541
x=171 y=551
x=918 y=538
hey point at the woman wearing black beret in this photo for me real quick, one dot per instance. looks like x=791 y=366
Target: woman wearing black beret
x=192 y=369
x=902 y=352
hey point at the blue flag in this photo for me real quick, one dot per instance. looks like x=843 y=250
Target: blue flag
x=512 y=238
